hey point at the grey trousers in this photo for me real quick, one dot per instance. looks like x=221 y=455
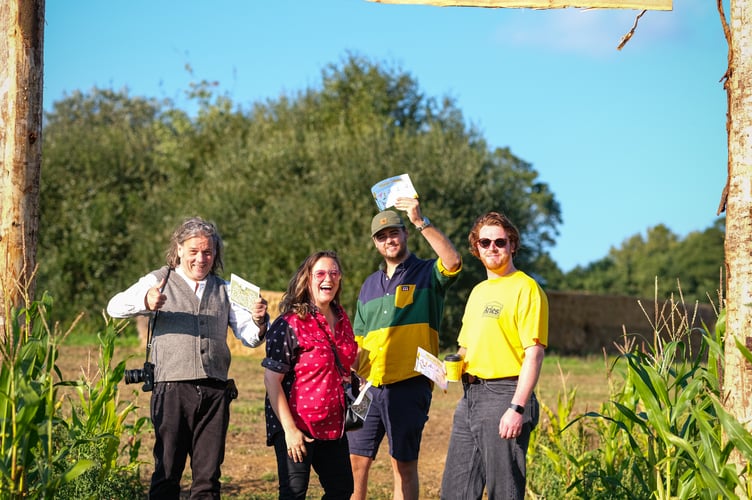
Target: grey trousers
x=477 y=457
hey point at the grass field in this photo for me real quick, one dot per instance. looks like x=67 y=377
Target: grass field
x=249 y=470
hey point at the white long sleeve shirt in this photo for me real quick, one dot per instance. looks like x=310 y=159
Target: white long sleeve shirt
x=132 y=302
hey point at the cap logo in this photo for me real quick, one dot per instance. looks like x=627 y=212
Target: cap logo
x=382 y=220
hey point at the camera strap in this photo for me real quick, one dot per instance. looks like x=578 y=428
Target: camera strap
x=153 y=319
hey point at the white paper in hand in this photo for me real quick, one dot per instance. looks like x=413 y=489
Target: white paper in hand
x=387 y=191
x=431 y=366
x=243 y=293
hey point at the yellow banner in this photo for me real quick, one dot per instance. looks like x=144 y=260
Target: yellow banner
x=542 y=4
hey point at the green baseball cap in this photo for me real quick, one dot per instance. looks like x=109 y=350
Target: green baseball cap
x=385 y=219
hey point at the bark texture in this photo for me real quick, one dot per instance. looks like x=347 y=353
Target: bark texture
x=738 y=246
x=21 y=70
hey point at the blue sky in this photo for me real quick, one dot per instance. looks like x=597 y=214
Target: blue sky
x=625 y=139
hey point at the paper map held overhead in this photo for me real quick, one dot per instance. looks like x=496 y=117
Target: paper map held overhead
x=242 y=292
x=387 y=191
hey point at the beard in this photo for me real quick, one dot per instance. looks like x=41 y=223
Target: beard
x=397 y=254
x=495 y=262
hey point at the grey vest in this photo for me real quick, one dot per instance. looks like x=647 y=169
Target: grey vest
x=190 y=337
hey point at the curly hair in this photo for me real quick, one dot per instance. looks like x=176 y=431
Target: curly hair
x=297 y=297
x=193 y=227
x=493 y=219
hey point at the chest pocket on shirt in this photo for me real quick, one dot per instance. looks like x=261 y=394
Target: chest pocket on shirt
x=404 y=295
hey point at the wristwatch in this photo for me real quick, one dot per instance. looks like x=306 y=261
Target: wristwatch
x=518 y=408
x=425 y=224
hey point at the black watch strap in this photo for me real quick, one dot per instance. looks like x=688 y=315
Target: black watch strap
x=518 y=408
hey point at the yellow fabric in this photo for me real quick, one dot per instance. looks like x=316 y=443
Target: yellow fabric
x=401 y=343
x=446 y=272
x=502 y=317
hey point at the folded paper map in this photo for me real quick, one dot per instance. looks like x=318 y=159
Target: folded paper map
x=243 y=293
x=387 y=191
x=431 y=366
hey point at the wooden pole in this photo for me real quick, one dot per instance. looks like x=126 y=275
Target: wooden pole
x=737 y=381
x=21 y=70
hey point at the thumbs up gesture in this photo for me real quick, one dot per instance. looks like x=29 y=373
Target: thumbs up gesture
x=155 y=299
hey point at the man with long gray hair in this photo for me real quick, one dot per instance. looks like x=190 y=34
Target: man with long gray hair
x=191 y=311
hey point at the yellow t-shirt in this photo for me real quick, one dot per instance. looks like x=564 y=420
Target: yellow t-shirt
x=502 y=317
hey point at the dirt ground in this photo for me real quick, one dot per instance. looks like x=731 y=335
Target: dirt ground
x=249 y=469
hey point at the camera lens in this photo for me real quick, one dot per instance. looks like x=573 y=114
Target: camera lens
x=134 y=376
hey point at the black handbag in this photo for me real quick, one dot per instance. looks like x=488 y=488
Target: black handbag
x=353 y=421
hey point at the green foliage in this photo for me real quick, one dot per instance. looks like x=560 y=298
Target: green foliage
x=31 y=462
x=99 y=424
x=695 y=261
x=292 y=175
x=665 y=433
x=108 y=165
x=46 y=454
x=282 y=179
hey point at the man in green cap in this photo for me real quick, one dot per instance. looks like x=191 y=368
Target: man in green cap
x=399 y=309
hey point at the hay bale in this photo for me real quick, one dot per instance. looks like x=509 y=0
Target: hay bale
x=236 y=346
x=581 y=324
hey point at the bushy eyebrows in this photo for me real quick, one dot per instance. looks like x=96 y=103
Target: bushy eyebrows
x=193 y=249
x=387 y=233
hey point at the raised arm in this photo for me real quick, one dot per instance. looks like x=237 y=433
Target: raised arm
x=439 y=242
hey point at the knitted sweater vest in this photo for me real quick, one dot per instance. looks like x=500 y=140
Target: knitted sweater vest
x=190 y=336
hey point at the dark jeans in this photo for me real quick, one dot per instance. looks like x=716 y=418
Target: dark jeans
x=329 y=458
x=190 y=418
x=477 y=456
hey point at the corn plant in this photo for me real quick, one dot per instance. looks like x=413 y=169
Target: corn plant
x=663 y=434
x=32 y=464
x=552 y=455
x=669 y=419
x=50 y=449
x=577 y=458
x=104 y=428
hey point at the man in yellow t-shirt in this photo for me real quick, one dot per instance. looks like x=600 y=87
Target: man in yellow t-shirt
x=503 y=337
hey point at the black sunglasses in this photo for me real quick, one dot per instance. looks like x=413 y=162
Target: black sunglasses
x=499 y=242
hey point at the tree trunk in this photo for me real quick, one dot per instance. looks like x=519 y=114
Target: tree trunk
x=21 y=70
x=738 y=246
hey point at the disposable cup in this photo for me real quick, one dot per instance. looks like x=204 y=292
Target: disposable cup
x=453 y=364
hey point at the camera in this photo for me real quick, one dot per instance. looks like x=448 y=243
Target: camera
x=145 y=375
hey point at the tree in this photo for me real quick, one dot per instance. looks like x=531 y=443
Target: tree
x=21 y=56
x=737 y=201
x=283 y=179
x=107 y=194
x=694 y=263
x=304 y=165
